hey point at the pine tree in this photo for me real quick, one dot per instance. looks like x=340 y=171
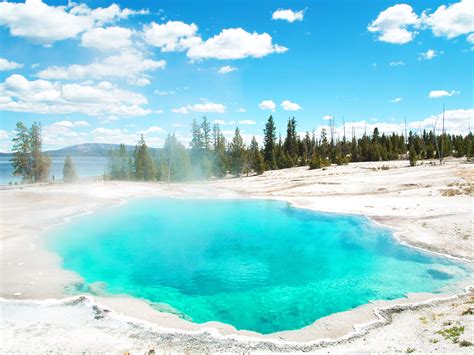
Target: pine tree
x=144 y=168
x=237 y=153
x=28 y=160
x=291 y=140
x=21 y=160
x=412 y=156
x=40 y=163
x=206 y=133
x=256 y=158
x=220 y=161
x=269 y=139
x=69 y=171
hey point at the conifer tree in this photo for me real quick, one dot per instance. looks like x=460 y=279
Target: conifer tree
x=144 y=168
x=412 y=156
x=69 y=171
x=21 y=160
x=237 y=153
x=256 y=158
x=291 y=141
x=28 y=159
x=269 y=140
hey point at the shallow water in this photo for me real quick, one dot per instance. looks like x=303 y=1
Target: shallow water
x=255 y=264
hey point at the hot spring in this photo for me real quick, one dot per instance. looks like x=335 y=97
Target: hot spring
x=255 y=264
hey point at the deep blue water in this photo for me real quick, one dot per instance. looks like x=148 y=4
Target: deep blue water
x=255 y=264
x=85 y=167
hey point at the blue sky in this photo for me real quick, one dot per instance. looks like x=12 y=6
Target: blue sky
x=95 y=71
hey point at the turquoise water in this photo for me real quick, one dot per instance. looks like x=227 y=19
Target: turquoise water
x=255 y=264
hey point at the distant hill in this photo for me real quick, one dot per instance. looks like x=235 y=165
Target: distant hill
x=86 y=149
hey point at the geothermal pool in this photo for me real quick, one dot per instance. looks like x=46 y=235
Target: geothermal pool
x=255 y=264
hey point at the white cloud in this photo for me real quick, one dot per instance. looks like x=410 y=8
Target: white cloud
x=46 y=97
x=247 y=122
x=429 y=54
x=204 y=107
x=241 y=109
x=108 y=38
x=164 y=93
x=234 y=43
x=396 y=100
x=230 y=43
x=470 y=38
x=44 y=24
x=70 y=124
x=154 y=129
x=290 y=106
x=328 y=117
x=182 y=110
x=392 y=24
x=6 y=65
x=435 y=94
x=3 y=133
x=219 y=122
x=288 y=15
x=398 y=23
x=178 y=125
x=452 y=20
x=171 y=36
x=267 y=105
x=226 y=69
x=129 y=64
x=397 y=63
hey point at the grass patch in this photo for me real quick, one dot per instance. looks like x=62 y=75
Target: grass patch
x=452 y=333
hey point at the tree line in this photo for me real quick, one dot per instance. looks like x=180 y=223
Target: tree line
x=211 y=155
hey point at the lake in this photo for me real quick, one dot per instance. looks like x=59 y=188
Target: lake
x=85 y=167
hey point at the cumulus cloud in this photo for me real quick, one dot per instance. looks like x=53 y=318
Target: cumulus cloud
x=392 y=25
x=396 y=100
x=6 y=65
x=328 y=117
x=267 y=105
x=70 y=124
x=226 y=69
x=435 y=94
x=129 y=64
x=398 y=24
x=173 y=36
x=202 y=107
x=234 y=43
x=108 y=38
x=290 y=106
x=46 y=97
x=247 y=122
x=44 y=24
x=429 y=54
x=154 y=129
x=452 y=20
x=288 y=15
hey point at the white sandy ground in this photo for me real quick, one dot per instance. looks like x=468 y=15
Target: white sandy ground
x=430 y=207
